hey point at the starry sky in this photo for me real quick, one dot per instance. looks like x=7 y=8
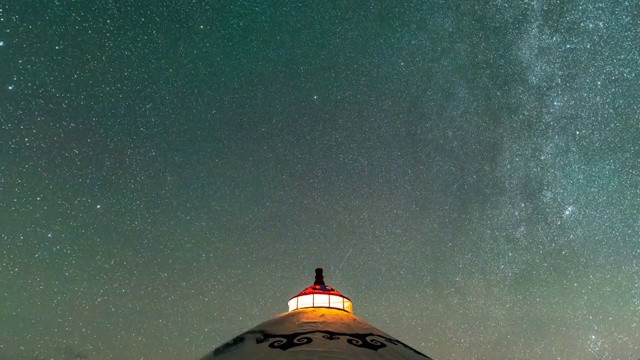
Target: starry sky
x=468 y=173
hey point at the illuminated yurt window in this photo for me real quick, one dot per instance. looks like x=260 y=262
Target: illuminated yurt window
x=320 y=295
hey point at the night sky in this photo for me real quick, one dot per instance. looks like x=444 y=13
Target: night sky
x=468 y=174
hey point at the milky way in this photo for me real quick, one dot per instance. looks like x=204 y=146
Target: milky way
x=467 y=174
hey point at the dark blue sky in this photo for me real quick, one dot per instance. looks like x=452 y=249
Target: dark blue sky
x=468 y=174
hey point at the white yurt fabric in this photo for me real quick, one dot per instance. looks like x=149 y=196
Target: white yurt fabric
x=319 y=325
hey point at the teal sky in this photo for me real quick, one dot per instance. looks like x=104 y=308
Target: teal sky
x=468 y=174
